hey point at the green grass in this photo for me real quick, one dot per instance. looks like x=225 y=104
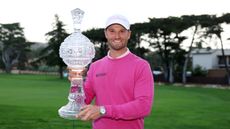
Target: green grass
x=32 y=101
x=190 y=108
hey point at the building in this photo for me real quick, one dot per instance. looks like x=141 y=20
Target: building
x=211 y=60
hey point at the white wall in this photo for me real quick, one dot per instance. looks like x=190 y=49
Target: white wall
x=207 y=59
x=203 y=60
x=214 y=60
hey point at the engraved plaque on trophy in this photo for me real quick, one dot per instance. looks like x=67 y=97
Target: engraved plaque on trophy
x=77 y=52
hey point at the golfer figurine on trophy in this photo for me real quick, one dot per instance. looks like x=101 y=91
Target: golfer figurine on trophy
x=77 y=52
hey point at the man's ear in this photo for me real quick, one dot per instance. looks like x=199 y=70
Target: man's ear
x=130 y=32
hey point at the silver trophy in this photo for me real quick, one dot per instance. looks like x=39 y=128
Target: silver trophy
x=77 y=52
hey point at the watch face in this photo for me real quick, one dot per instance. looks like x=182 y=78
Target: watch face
x=102 y=110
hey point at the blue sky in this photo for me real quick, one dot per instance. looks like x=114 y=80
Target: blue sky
x=37 y=16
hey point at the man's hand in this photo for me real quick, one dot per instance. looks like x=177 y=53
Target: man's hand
x=76 y=73
x=89 y=112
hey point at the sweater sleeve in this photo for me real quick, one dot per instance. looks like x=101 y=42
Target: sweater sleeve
x=143 y=97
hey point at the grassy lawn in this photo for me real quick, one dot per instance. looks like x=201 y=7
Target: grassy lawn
x=32 y=101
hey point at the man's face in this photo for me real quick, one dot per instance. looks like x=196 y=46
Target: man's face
x=117 y=37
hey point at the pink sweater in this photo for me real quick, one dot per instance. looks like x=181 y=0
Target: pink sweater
x=125 y=87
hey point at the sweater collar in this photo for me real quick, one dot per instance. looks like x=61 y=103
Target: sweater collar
x=121 y=56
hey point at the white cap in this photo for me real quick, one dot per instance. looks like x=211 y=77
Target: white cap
x=118 y=19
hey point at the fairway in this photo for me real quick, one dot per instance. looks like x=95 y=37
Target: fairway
x=32 y=101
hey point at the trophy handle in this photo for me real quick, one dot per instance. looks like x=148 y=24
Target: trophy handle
x=76 y=98
x=76 y=92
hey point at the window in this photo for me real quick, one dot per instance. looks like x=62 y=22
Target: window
x=228 y=60
x=221 y=60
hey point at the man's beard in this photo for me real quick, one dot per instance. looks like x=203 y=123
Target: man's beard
x=116 y=46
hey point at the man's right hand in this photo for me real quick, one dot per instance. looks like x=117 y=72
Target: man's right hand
x=76 y=73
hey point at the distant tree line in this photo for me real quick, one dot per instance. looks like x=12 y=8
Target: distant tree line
x=164 y=35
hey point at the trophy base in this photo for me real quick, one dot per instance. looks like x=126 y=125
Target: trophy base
x=66 y=113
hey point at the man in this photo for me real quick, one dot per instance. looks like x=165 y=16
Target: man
x=121 y=83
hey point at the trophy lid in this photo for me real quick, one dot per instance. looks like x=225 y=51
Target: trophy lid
x=77 y=15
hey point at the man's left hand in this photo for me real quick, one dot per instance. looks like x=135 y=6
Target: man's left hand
x=89 y=112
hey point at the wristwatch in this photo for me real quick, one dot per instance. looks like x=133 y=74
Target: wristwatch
x=102 y=110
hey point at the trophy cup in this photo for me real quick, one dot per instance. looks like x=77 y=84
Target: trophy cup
x=77 y=52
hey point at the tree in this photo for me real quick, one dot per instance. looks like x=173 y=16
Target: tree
x=138 y=31
x=217 y=30
x=198 y=22
x=164 y=36
x=14 y=46
x=51 y=53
